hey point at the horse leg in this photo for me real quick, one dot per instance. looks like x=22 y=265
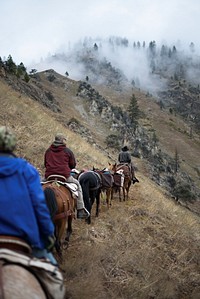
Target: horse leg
x=88 y=220
x=120 y=198
x=92 y=196
x=112 y=192
x=68 y=233
x=98 y=202
x=124 y=193
x=57 y=243
x=69 y=228
x=108 y=197
x=60 y=228
x=128 y=188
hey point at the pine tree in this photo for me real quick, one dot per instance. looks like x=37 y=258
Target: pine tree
x=134 y=112
x=21 y=70
x=26 y=77
x=11 y=65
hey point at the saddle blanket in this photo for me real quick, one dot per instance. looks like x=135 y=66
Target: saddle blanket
x=49 y=275
x=71 y=186
x=119 y=178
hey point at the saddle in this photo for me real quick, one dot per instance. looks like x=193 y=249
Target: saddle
x=60 y=179
x=125 y=167
x=15 y=244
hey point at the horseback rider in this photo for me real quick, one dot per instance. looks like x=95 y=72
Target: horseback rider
x=125 y=158
x=60 y=160
x=24 y=215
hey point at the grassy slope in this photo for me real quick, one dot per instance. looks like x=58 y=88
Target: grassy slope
x=36 y=126
x=147 y=247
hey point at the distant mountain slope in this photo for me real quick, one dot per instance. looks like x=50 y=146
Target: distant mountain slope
x=96 y=112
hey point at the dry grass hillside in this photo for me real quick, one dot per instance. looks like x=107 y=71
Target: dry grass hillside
x=144 y=248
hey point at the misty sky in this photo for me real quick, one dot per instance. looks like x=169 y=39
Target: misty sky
x=31 y=29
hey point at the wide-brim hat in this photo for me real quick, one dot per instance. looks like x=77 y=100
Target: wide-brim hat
x=125 y=148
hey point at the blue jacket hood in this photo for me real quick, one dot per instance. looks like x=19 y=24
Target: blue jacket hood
x=10 y=165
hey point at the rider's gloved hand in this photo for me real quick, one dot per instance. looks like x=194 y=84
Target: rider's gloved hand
x=49 y=243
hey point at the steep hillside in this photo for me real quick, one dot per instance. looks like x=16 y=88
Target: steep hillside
x=98 y=112
x=172 y=131
x=146 y=247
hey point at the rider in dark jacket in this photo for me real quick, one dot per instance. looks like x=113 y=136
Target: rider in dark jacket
x=125 y=158
x=60 y=160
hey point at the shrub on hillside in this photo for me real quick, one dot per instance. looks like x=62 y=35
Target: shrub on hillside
x=183 y=191
x=112 y=141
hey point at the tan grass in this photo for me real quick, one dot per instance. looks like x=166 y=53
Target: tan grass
x=35 y=128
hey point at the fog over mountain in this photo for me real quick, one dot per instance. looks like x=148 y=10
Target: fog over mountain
x=145 y=65
x=33 y=30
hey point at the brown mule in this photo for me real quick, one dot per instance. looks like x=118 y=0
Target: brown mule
x=124 y=171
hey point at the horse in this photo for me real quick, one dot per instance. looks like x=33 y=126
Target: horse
x=61 y=206
x=90 y=182
x=24 y=276
x=122 y=170
x=19 y=283
x=106 y=184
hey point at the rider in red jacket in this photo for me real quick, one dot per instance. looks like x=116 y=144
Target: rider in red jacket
x=60 y=160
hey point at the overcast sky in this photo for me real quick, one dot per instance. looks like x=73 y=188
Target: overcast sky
x=30 y=29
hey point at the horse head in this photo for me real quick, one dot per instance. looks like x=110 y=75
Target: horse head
x=112 y=167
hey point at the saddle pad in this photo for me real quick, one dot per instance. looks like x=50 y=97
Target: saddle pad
x=118 y=180
x=107 y=180
x=71 y=186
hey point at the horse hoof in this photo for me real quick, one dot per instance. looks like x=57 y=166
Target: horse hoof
x=88 y=220
x=65 y=244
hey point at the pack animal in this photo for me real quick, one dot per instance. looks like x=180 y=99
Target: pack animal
x=24 y=276
x=61 y=205
x=121 y=171
x=106 y=184
x=90 y=182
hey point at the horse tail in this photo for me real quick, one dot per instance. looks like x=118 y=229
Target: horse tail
x=51 y=201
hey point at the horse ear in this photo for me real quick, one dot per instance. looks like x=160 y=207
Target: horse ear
x=93 y=168
x=109 y=163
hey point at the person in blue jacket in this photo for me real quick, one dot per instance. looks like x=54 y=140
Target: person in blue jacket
x=23 y=210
